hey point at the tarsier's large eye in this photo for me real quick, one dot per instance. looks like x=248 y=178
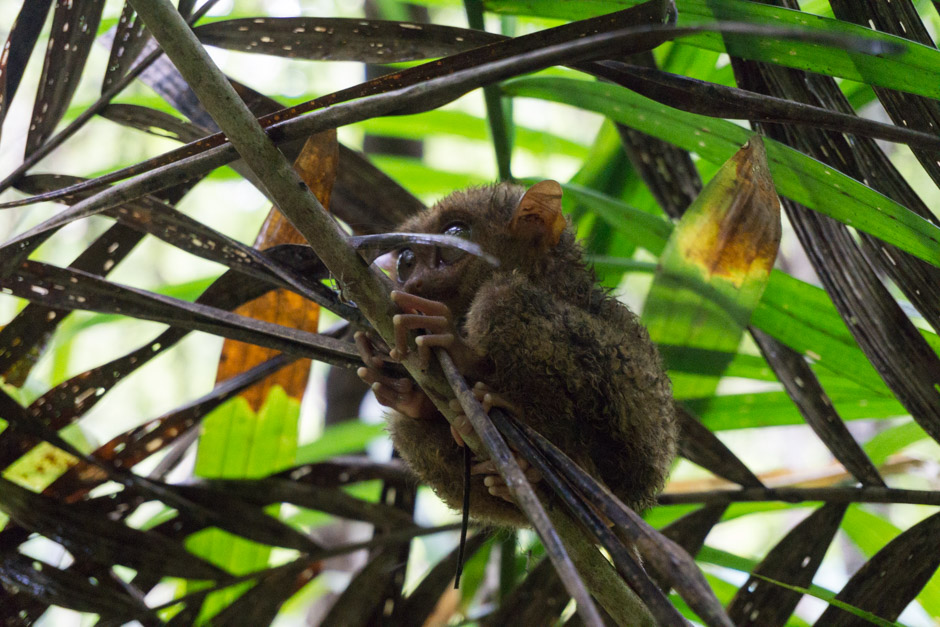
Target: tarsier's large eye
x=450 y=255
x=406 y=264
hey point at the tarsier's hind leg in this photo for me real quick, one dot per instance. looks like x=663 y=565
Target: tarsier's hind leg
x=491 y=477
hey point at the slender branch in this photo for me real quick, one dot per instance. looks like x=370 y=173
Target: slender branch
x=610 y=588
x=865 y=494
x=521 y=490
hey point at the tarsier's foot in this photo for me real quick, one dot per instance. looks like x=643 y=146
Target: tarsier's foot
x=436 y=319
x=461 y=427
x=401 y=394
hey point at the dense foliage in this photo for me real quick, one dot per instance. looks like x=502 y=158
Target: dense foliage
x=144 y=478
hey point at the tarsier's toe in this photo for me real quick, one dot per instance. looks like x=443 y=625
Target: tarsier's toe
x=494 y=481
x=370 y=350
x=500 y=491
x=489 y=398
x=461 y=428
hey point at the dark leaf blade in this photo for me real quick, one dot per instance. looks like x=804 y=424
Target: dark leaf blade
x=23 y=339
x=624 y=559
x=149 y=215
x=796 y=175
x=804 y=388
x=721 y=101
x=328 y=500
x=88 y=535
x=152 y=121
x=18 y=48
x=361 y=597
x=910 y=567
x=59 y=138
x=355 y=204
x=420 y=604
x=163 y=77
x=69 y=589
x=91 y=293
x=700 y=446
x=260 y=605
x=391 y=241
x=667 y=170
x=900 y=19
x=72 y=398
x=341 y=39
x=662 y=556
x=538 y=600
x=340 y=471
x=131 y=448
x=129 y=41
x=74 y=25
x=794 y=560
x=864 y=160
x=799 y=52
x=690 y=531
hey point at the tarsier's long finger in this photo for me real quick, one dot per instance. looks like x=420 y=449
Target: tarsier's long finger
x=501 y=491
x=488 y=467
x=401 y=340
x=426 y=342
x=386 y=396
x=409 y=322
x=410 y=403
x=432 y=324
x=421 y=305
x=461 y=428
x=371 y=376
x=457 y=437
x=489 y=398
x=366 y=350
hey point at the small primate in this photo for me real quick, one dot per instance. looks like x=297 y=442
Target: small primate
x=538 y=336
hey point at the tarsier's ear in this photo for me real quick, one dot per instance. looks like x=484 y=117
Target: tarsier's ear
x=538 y=218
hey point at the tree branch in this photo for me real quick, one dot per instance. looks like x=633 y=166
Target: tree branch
x=864 y=494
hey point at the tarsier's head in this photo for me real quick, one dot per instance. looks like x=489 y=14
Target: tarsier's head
x=517 y=226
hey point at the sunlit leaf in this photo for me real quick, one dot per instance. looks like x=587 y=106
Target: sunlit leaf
x=716 y=264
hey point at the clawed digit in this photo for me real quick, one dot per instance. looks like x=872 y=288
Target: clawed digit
x=420 y=313
x=462 y=428
x=399 y=393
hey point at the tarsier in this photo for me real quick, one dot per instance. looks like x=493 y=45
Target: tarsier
x=538 y=335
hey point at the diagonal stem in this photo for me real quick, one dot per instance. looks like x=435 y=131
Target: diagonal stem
x=521 y=489
x=862 y=494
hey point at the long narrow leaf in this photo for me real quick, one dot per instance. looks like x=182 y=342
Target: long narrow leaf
x=805 y=180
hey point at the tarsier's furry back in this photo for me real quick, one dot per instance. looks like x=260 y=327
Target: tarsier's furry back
x=576 y=362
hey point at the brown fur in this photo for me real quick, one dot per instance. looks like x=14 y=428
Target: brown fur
x=576 y=361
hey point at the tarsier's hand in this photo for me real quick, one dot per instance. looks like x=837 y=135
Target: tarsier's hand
x=461 y=427
x=440 y=331
x=400 y=394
